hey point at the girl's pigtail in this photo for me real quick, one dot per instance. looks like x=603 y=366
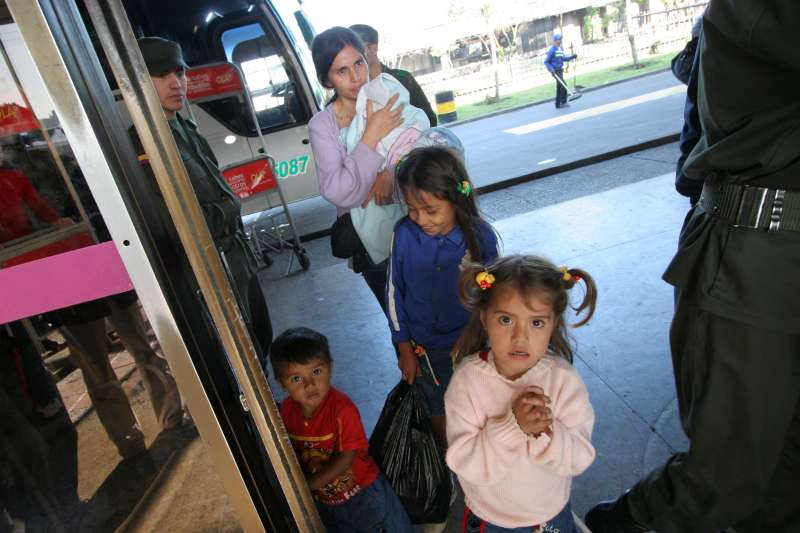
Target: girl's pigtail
x=571 y=277
x=473 y=337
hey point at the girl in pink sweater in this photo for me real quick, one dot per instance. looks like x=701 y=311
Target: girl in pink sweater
x=519 y=421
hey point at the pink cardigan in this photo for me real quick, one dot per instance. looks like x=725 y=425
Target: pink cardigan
x=509 y=478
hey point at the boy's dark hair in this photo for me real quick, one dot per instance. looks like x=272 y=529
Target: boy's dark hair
x=299 y=346
x=367 y=33
x=327 y=45
x=439 y=171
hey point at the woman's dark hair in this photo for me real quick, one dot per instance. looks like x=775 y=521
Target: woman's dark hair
x=528 y=276
x=299 y=346
x=326 y=47
x=439 y=171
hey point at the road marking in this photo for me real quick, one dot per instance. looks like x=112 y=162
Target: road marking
x=545 y=161
x=594 y=111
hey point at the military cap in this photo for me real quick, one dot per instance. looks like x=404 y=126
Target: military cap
x=161 y=55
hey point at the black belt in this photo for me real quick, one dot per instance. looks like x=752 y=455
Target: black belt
x=745 y=206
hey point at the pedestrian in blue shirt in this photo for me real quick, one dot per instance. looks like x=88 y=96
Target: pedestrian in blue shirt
x=555 y=65
x=442 y=230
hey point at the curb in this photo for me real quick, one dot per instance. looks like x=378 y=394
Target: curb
x=538 y=102
x=579 y=163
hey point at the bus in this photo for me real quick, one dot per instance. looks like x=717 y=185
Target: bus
x=87 y=267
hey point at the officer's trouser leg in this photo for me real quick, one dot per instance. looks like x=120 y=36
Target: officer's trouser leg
x=738 y=388
x=89 y=351
x=154 y=370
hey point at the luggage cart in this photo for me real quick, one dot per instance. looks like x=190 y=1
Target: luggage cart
x=253 y=176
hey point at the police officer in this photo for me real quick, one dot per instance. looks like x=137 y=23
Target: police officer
x=554 y=61
x=221 y=207
x=735 y=335
x=417 y=98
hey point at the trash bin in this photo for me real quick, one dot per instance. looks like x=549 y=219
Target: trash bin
x=446 y=107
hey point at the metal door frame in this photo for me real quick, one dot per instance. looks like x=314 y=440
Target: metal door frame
x=43 y=26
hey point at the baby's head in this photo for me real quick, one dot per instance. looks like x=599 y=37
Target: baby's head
x=302 y=362
x=518 y=304
x=438 y=192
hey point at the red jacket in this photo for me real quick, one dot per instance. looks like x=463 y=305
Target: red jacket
x=16 y=191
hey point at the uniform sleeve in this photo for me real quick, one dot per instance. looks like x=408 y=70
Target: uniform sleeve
x=207 y=150
x=36 y=202
x=159 y=204
x=351 y=430
x=570 y=451
x=344 y=179
x=395 y=291
x=480 y=453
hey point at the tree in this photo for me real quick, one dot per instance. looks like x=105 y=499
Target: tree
x=626 y=6
x=465 y=12
x=487 y=13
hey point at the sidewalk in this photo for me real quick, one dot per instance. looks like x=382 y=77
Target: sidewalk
x=619 y=220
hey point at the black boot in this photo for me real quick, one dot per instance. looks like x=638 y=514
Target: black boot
x=613 y=517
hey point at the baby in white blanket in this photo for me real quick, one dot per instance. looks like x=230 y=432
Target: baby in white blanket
x=400 y=140
x=375 y=223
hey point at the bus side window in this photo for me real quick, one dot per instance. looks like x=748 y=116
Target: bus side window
x=271 y=84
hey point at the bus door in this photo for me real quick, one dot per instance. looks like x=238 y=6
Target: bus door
x=142 y=406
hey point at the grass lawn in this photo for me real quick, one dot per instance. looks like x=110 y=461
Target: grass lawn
x=547 y=91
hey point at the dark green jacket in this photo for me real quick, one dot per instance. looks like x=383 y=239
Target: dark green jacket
x=417 y=96
x=749 y=111
x=221 y=207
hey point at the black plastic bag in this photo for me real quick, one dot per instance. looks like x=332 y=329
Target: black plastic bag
x=405 y=449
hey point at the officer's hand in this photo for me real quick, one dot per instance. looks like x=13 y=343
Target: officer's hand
x=382 y=189
x=574 y=56
x=381 y=122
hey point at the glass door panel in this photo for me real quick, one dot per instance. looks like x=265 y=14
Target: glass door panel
x=94 y=433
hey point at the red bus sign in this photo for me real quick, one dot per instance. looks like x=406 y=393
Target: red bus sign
x=251 y=177
x=214 y=80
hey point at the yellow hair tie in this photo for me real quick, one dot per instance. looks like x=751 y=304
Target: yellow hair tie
x=567 y=277
x=485 y=280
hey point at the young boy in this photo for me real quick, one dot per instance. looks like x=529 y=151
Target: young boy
x=326 y=431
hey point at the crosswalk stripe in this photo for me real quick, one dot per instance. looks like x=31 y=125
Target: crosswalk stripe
x=597 y=110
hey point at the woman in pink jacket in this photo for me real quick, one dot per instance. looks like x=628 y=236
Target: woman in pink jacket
x=519 y=421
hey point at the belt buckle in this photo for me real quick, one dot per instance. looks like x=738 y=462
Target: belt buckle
x=752 y=207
